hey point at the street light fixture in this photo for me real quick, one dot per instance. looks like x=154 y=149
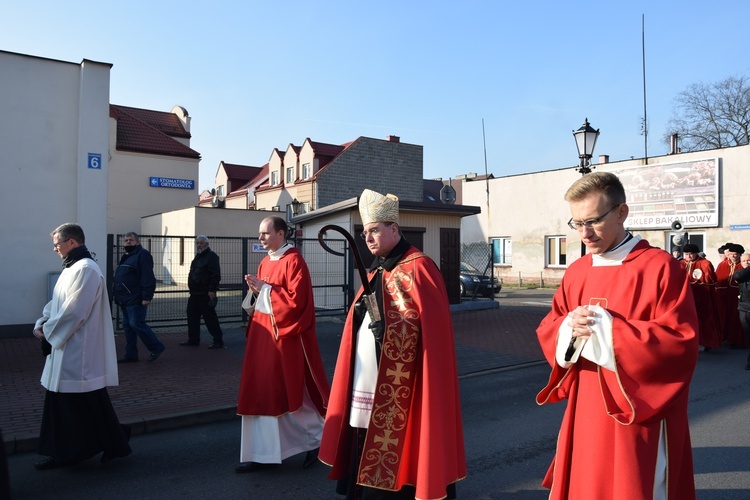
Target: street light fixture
x=295 y=206
x=585 y=141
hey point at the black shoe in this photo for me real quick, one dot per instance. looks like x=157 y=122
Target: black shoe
x=216 y=345
x=154 y=356
x=253 y=466
x=128 y=360
x=189 y=343
x=311 y=458
x=48 y=463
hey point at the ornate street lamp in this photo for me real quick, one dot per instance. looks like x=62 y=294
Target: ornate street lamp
x=295 y=206
x=585 y=141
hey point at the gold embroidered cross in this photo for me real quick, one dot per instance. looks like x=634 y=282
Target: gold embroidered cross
x=386 y=440
x=398 y=373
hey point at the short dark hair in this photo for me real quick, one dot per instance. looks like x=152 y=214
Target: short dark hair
x=70 y=231
x=278 y=224
x=133 y=234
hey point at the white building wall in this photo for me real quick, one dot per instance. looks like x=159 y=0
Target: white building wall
x=53 y=114
x=130 y=194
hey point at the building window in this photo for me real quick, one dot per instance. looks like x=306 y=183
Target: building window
x=274 y=178
x=306 y=171
x=556 y=248
x=290 y=175
x=501 y=251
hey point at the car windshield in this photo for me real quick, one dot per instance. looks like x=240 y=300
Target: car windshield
x=468 y=268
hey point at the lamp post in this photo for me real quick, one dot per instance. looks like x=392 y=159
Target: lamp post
x=295 y=204
x=585 y=141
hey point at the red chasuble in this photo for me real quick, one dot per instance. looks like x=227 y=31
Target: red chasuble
x=282 y=354
x=415 y=434
x=702 y=280
x=609 y=438
x=727 y=299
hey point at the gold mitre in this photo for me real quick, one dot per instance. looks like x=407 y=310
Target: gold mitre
x=374 y=207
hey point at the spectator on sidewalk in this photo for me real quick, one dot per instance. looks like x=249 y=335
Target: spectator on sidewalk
x=133 y=290
x=203 y=282
x=78 y=420
x=622 y=342
x=702 y=280
x=283 y=388
x=393 y=428
x=743 y=278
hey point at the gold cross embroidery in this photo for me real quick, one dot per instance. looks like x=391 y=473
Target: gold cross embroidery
x=398 y=373
x=386 y=440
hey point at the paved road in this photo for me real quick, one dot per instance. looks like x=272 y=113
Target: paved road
x=509 y=444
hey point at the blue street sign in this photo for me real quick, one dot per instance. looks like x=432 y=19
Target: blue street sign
x=95 y=161
x=165 y=182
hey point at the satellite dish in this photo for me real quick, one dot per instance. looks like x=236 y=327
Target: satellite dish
x=447 y=195
x=217 y=202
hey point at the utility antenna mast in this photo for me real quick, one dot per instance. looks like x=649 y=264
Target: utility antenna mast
x=645 y=120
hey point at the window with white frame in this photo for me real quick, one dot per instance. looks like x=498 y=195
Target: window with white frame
x=502 y=251
x=290 y=175
x=274 y=178
x=555 y=251
x=306 y=171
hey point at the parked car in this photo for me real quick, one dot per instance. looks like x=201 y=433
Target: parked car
x=472 y=279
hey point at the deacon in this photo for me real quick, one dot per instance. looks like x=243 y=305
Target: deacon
x=622 y=342
x=283 y=388
x=393 y=428
x=702 y=279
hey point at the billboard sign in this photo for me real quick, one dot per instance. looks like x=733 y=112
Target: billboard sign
x=657 y=195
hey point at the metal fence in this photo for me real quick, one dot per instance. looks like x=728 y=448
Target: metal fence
x=330 y=274
x=480 y=256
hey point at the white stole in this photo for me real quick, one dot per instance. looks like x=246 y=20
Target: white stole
x=365 y=377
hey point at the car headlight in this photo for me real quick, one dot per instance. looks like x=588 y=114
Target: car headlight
x=475 y=279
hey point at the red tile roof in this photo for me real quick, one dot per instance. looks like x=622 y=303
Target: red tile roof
x=324 y=149
x=153 y=132
x=241 y=172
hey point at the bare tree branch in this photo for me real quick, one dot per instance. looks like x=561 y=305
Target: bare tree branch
x=712 y=116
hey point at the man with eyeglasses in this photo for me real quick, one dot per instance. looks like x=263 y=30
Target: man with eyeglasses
x=393 y=427
x=78 y=420
x=622 y=342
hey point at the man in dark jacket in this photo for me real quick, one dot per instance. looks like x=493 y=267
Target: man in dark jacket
x=742 y=277
x=134 y=289
x=203 y=282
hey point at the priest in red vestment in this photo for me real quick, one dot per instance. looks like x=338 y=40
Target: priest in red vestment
x=393 y=428
x=622 y=342
x=702 y=280
x=283 y=388
x=727 y=296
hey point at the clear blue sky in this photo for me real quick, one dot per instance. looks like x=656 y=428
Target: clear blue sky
x=258 y=75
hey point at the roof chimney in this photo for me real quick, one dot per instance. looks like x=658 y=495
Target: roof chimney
x=603 y=159
x=393 y=138
x=673 y=144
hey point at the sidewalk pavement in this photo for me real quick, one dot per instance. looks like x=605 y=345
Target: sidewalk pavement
x=191 y=385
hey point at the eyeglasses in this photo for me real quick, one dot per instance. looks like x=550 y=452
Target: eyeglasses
x=580 y=224
x=374 y=231
x=57 y=245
